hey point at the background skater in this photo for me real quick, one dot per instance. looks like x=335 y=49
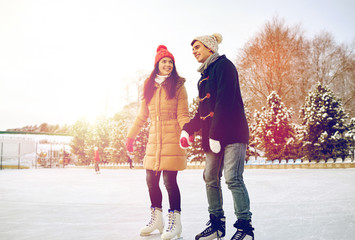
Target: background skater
x=97 y=160
x=130 y=161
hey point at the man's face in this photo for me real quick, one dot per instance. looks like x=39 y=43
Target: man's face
x=200 y=52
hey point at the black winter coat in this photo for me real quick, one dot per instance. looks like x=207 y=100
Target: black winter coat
x=221 y=110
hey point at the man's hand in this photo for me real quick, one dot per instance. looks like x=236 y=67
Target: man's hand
x=215 y=146
x=185 y=139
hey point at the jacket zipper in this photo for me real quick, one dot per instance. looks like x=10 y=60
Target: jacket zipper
x=159 y=124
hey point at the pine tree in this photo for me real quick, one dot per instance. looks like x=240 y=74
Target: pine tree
x=141 y=143
x=80 y=131
x=195 y=152
x=101 y=138
x=323 y=118
x=122 y=122
x=118 y=153
x=253 y=141
x=273 y=128
x=350 y=137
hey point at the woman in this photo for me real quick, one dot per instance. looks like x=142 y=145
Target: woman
x=165 y=103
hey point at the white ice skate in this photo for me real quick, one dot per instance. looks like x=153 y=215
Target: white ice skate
x=156 y=222
x=174 y=226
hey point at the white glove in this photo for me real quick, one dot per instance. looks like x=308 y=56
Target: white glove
x=184 y=138
x=215 y=146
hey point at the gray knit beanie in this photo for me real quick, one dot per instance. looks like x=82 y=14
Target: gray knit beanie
x=210 y=41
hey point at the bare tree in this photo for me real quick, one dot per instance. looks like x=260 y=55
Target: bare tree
x=334 y=65
x=275 y=60
x=134 y=89
x=279 y=58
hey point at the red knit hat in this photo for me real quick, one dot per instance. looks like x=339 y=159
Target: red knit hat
x=162 y=52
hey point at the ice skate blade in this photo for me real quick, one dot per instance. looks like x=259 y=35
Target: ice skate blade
x=146 y=234
x=177 y=238
x=149 y=234
x=152 y=233
x=211 y=238
x=166 y=236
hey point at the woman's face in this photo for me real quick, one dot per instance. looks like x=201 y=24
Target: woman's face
x=166 y=66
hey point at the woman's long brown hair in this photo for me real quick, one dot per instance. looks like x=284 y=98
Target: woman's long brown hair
x=169 y=84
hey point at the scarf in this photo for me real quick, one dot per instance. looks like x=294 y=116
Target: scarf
x=160 y=79
x=208 y=62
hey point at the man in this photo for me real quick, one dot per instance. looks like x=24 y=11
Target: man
x=225 y=136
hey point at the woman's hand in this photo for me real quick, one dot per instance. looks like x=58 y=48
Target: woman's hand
x=129 y=144
x=185 y=139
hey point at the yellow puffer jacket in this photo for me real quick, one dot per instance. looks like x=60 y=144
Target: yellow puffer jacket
x=167 y=117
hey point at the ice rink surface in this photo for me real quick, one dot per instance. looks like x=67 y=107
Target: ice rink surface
x=76 y=203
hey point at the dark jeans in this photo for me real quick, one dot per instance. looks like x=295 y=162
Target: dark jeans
x=97 y=168
x=170 y=182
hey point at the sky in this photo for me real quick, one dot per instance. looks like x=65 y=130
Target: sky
x=64 y=60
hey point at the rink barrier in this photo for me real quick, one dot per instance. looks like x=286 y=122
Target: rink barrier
x=262 y=163
x=251 y=164
x=258 y=164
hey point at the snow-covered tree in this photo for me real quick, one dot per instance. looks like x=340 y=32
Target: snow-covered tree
x=275 y=59
x=350 y=137
x=324 y=122
x=141 y=143
x=195 y=152
x=274 y=129
x=123 y=121
x=101 y=137
x=253 y=140
x=80 y=132
x=333 y=64
x=117 y=146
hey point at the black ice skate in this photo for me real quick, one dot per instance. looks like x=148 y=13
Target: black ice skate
x=244 y=230
x=216 y=230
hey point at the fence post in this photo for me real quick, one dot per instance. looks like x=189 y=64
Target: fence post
x=63 y=155
x=353 y=145
x=36 y=155
x=2 y=144
x=50 y=158
x=19 y=154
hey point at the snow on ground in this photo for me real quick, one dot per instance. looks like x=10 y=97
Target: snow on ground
x=75 y=203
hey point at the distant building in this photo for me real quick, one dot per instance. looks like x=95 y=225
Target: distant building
x=31 y=150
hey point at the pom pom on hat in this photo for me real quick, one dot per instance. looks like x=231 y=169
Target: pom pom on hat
x=218 y=37
x=162 y=52
x=210 y=41
x=160 y=47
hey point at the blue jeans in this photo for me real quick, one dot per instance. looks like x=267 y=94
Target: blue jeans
x=231 y=160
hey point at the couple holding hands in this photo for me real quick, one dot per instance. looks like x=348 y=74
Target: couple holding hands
x=225 y=136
